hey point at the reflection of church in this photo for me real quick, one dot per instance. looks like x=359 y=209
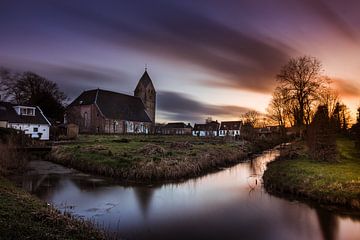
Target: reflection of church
x=143 y=197
x=102 y=111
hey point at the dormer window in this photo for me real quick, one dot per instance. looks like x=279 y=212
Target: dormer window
x=25 y=111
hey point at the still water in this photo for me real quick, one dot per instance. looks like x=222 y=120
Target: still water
x=229 y=204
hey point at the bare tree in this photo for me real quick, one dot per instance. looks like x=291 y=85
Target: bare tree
x=251 y=118
x=280 y=110
x=208 y=120
x=301 y=79
x=328 y=96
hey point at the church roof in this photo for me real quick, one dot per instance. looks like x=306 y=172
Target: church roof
x=145 y=80
x=114 y=105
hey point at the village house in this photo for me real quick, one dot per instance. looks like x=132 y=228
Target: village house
x=176 y=128
x=230 y=128
x=102 y=111
x=209 y=129
x=29 y=119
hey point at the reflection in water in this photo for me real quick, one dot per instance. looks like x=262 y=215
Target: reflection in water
x=328 y=224
x=230 y=204
x=144 y=196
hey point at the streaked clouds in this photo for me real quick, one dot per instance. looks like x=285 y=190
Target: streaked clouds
x=234 y=44
x=183 y=107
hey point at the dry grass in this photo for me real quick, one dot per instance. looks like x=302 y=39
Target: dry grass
x=11 y=159
x=154 y=158
x=23 y=216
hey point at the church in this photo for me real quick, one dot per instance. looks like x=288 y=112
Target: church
x=102 y=111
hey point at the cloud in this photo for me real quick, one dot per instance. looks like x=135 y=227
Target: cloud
x=334 y=20
x=174 y=106
x=346 y=88
x=235 y=54
x=72 y=77
x=235 y=59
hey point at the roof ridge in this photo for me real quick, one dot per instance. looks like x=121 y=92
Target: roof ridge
x=96 y=96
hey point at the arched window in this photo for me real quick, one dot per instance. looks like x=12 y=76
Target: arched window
x=86 y=120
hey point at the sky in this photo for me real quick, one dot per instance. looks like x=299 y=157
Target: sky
x=206 y=58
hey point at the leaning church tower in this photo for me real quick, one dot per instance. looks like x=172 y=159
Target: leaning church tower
x=146 y=91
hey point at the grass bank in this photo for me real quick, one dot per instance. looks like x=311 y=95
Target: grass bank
x=336 y=184
x=23 y=216
x=153 y=158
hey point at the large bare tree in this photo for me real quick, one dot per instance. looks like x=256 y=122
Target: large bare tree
x=302 y=81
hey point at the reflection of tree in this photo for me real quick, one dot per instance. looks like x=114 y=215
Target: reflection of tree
x=328 y=224
x=40 y=185
x=144 y=196
x=257 y=166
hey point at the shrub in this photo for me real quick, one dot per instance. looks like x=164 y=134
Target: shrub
x=356 y=130
x=321 y=136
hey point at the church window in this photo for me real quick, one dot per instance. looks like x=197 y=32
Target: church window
x=86 y=120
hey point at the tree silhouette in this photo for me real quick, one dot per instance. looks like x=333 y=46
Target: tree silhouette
x=321 y=136
x=301 y=80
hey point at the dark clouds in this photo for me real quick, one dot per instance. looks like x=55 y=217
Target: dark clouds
x=236 y=55
x=234 y=58
x=237 y=44
x=74 y=78
x=174 y=105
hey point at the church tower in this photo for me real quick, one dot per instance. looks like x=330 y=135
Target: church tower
x=146 y=91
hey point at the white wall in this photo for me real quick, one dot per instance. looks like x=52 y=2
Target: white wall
x=233 y=133
x=29 y=129
x=204 y=133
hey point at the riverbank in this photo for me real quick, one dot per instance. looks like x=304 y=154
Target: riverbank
x=23 y=216
x=154 y=158
x=333 y=184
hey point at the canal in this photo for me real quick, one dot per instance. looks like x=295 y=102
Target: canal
x=229 y=204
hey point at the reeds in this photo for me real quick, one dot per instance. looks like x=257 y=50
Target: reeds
x=11 y=158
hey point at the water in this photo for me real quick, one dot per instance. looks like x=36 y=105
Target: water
x=229 y=204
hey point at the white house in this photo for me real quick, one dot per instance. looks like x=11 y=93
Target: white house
x=230 y=128
x=210 y=129
x=29 y=119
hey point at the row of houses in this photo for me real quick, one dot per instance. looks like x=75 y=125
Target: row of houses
x=214 y=129
x=208 y=129
x=33 y=122
x=211 y=129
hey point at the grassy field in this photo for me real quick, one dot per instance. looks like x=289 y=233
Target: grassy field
x=330 y=183
x=151 y=158
x=23 y=216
